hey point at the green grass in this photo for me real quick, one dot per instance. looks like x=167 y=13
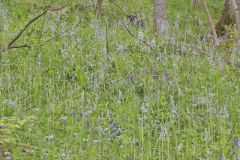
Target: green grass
x=71 y=99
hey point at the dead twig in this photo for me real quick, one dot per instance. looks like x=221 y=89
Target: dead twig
x=210 y=21
x=127 y=29
x=10 y=45
x=107 y=40
x=14 y=47
x=135 y=37
x=119 y=7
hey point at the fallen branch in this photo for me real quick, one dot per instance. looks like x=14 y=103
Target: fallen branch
x=127 y=29
x=10 y=45
x=119 y=7
x=14 y=47
x=135 y=37
x=211 y=25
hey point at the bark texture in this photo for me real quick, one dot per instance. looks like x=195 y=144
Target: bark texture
x=227 y=17
x=160 y=19
x=236 y=14
x=196 y=4
x=99 y=7
x=211 y=24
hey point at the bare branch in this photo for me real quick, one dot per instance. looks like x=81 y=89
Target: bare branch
x=135 y=37
x=15 y=47
x=125 y=26
x=10 y=44
x=119 y=7
x=210 y=21
x=236 y=14
x=25 y=27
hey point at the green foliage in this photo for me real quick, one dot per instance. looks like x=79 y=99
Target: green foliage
x=9 y=127
x=228 y=44
x=127 y=102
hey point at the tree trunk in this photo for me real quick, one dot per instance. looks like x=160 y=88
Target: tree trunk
x=211 y=24
x=196 y=4
x=99 y=7
x=160 y=19
x=227 y=17
x=236 y=14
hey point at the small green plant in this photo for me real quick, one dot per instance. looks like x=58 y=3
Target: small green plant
x=8 y=128
x=227 y=45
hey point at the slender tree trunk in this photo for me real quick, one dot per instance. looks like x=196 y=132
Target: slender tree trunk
x=99 y=7
x=196 y=4
x=160 y=19
x=227 y=17
x=211 y=24
x=236 y=14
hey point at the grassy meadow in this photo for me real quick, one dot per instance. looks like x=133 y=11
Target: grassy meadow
x=87 y=89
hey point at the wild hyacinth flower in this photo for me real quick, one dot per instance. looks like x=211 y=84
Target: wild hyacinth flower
x=134 y=141
x=140 y=121
x=180 y=147
x=120 y=96
x=11 y=78
x=79 y=44
x=3 y=127
x=173 y=106
x=39 y=59
x=8 y=158
x=35 y=109
x=84 y=113
x=140 y=34
x=7 y=153
x=99 y=117
x=236 y=142
x=116 y=131
x=74 y=113
x=153 y=43
x=63 y=26
x=3 y=13
x=155 y=75
x=143 y=109
x=120 y=48
x=113 y=125
x=52 y=27
x=220 y=158
x=161 y=56
x=108 y=116
x=100 y=35
x=63 y=118
x=165 y=76
x=9 y=102
x=49 y=137
x=164 y=128
x=64 y=154
x=94 y=81
x=72 y=32
x=96 y=141
x=76 y=134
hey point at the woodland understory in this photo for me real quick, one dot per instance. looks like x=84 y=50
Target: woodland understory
x=107 y=79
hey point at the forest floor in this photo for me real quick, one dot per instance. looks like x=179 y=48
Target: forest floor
x=105 y=88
